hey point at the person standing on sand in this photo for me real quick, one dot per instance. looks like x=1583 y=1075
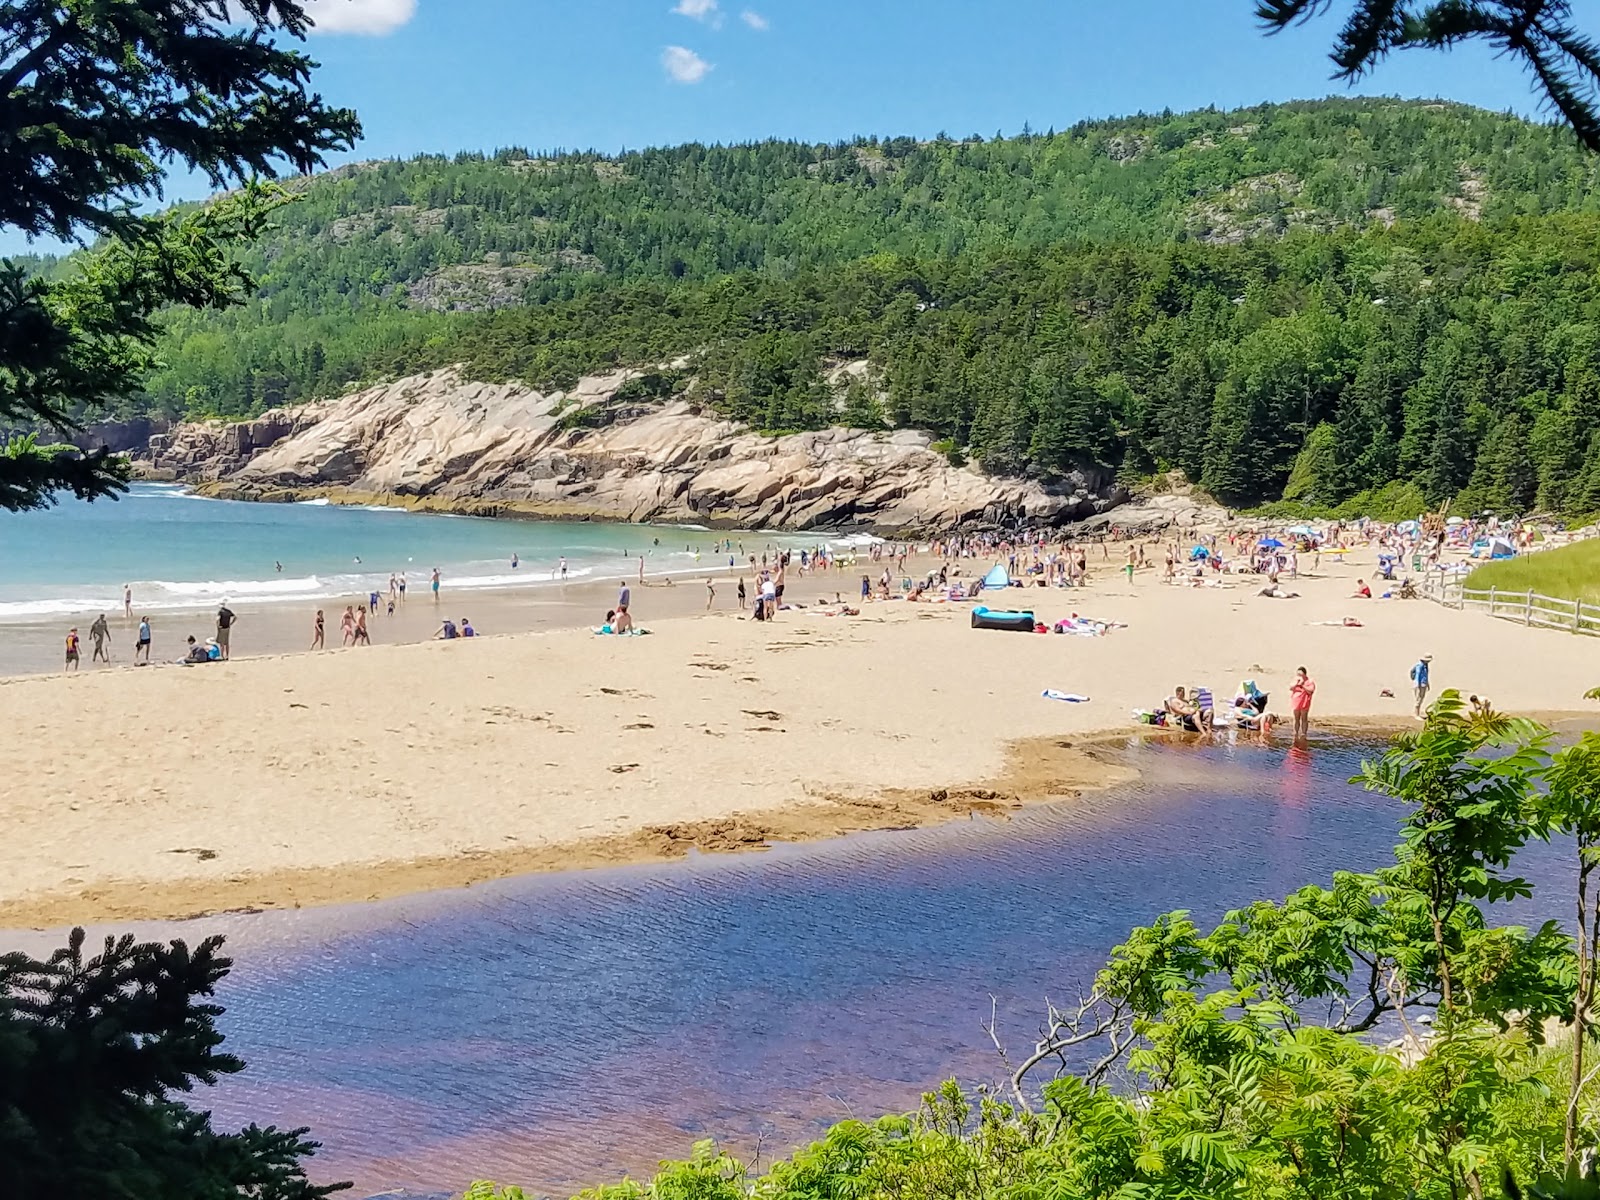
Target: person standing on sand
x=1300 y=693
x=127 y=602
x=73 y=649
x=711 y=594
x=624 y=596
x=436 y=585
x=362 y=637
x=99 y=633
x=401 y=583
x=225 y=620
x=741 y=593
x=641 y=570
x=1420 y=681
x=317 y=632
x=563 y=570
x=142 y=646
x=347 y=626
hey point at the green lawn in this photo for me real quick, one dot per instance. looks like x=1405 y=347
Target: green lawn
x=1570 y=573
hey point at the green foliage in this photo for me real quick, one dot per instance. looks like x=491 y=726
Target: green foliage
x=1122 y=298
x=93 y=1052
x=1248 y=1062
x=96 y=102
x=1317 y=474
x=1538 y=33
x=1566 y=572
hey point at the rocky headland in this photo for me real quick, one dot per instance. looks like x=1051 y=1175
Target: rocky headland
x=439 y=441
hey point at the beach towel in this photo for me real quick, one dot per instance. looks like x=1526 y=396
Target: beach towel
x=1069 y=697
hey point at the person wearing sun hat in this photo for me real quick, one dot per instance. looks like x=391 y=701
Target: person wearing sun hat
x=1419 y=681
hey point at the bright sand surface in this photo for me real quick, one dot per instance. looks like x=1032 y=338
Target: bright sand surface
x=318 y=778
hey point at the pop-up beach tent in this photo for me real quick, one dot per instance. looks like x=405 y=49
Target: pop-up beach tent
x=997 y=578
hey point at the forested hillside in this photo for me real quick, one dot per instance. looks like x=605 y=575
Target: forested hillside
x=1322 y=297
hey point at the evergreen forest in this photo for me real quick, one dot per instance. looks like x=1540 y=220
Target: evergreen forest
x=1366 y=303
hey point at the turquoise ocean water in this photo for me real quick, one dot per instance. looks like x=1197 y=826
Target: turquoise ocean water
x=178 y=550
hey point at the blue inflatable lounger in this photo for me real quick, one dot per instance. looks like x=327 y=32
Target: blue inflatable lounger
x=988 y=618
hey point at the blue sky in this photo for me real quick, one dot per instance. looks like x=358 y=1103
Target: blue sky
x=445 y=75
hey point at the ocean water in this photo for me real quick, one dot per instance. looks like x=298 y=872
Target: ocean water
x=178 y=550
x=559 y=1030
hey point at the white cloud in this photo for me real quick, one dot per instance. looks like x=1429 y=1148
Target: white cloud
x=755 y=20
x=684 y=66
x=697 y=10
x=360 y=16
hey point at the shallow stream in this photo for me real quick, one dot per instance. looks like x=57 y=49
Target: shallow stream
x=556 y=1031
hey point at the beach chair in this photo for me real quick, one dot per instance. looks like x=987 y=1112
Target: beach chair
x=1205 y=703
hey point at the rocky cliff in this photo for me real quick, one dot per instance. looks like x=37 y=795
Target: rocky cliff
x=439 y=441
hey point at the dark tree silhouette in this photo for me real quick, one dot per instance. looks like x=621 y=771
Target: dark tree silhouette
x=97 y=101
x=1537 y=33
x=93 y=1055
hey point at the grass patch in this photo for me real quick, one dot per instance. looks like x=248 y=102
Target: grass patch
x=1569 y=573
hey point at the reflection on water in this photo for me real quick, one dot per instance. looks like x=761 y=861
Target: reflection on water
x=556 y=1031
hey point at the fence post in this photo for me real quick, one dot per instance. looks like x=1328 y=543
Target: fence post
x=1491 y=596
x=1527 y=613
x=1577 y=616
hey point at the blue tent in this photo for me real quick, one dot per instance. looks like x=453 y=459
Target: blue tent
x=997 y=578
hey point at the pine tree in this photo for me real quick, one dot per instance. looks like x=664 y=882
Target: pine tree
x=92 y=1053
x=1503 y=478
x=1317 y=472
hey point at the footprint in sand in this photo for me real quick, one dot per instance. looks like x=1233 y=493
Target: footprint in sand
x=640 y=725
x=762 y=714
x=624 y=768
x=200 y=852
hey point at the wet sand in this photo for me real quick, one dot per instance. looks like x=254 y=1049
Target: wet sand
x=279 y=781
x=36 y=647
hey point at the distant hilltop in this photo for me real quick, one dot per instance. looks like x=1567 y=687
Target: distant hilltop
x=1349 y=303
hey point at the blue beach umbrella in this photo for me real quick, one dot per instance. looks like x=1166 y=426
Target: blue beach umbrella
x=1270 y=544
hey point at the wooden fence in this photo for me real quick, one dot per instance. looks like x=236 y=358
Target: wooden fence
x=1530 y=608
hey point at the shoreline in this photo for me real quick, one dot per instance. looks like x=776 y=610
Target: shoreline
x=504 y=510
x=1039 y=770
x=276 y=781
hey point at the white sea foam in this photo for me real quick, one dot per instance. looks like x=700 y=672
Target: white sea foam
x=237 y=588
x=21 y=610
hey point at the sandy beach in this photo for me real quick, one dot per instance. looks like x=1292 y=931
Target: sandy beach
x=299 y=779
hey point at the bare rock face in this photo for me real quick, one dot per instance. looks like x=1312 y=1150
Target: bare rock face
x=477 y=447
x=120 y=436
